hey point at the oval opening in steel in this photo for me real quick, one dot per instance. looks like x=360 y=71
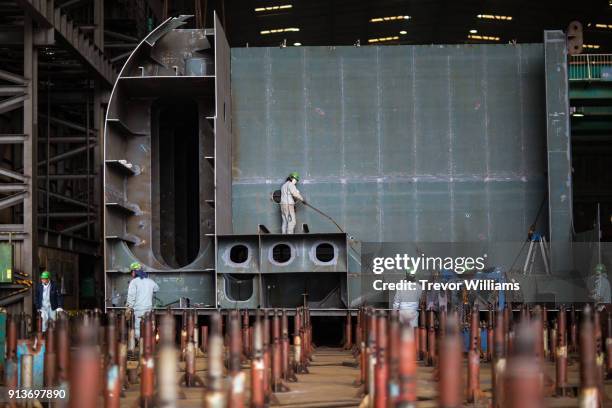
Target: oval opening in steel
x=325 y=252
x=239 y=254
x=281 y=253
x=174 y=154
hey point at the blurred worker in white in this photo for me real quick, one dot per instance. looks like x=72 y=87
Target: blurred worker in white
x=289 y=193
x=407 y=302
x=599 y=287
x=48 y=299
x=140 y=295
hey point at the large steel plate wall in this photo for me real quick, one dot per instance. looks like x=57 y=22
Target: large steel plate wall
x=420 y=143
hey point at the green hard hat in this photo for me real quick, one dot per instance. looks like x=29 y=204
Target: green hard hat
x=600 y=268
x=134 y=266
x=295 y=175
x=44 y=275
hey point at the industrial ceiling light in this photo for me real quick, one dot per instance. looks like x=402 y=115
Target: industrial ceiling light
x=279 y=30
x=591 y=46
x=383 y=39
x=494 y=17
x=473 y=31
x=297 y=44
x=403 y=32
x=483 y=37
x=273 y=8
x=389 y=18
x=609 y=26
x=578 y=115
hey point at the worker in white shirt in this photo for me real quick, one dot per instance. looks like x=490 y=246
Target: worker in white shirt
x=289 y=193
x=140 y=295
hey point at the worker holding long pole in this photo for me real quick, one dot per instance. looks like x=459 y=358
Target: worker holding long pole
x=289 y=193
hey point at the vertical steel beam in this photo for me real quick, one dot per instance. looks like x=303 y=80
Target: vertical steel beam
x=30 y=168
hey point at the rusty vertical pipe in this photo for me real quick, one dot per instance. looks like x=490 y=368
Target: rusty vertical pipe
x=246 y=341
x=85 y=363
x=184 y=335
x=167 y=388
x=237 y=378
x=112 y=392
x=215 y=395
x=538 y=315
x=348 y=332
x=473 y=364
x=357 y=342
x=122 y=350
x=561 y=353
x=287 y=371
x=204 y=346
x=524 y=376
x=599 y=357
x=507 y=314
x=394 y=356
x=449 y=391
x=27 y=371
x=407 y=367
x=609 y=345
x=277 y=364
x=490 y=333
x=553 y=340
x=50 y=356
x=267 y=354
x=63 y=351
x=381 y=373
x=545 y=333
x=190 y=378
x=422 y=333
x=11 y=369
x=191 y=325
x=431 y=338
x=362 y=348
x=258 y=389
x=147 y=363
x=371 y=354
x=573 y=330
x=11 y=337
x=297 y=343
x=112 y=354
x=498 y=364
x=589 y=391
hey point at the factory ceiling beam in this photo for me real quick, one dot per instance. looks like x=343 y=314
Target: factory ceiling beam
x=48 y=17
x=12 y=200
x=11 y=138
x=12 y=174
x=67 y=154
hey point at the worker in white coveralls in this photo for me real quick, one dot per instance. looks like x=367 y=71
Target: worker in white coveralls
x=140 y=295
x=48 y=299
x=407 y=302
x=599 y=287
x=289 y=193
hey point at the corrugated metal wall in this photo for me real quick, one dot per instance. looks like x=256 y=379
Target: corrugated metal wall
x=397 y=143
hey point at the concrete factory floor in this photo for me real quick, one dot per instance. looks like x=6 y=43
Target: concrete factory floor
x=330 y=384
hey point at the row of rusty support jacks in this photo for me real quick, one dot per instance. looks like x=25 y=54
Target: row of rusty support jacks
x=388 y=352
x=88 y=356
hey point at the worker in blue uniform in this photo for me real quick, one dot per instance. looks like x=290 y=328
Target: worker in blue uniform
x=48 y=299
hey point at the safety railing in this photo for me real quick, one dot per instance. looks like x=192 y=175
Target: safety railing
x=590 y=67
